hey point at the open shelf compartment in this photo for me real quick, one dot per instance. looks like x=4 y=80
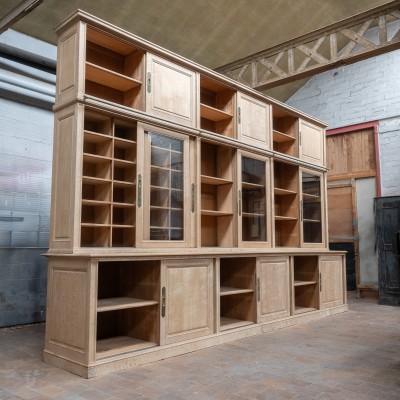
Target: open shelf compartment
x=237 y=292
x=217 y=195
x=217 y=103
x=114 y=69
x=285 y=132
x=286 y=205
x=305 y=283
x=127 y=306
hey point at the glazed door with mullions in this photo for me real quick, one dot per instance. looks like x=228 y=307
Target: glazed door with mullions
x=163 y=189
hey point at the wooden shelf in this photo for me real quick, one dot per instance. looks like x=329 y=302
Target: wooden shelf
x=94 y=158
x=123 y=143
x=94 y=225
x=281 y=137
x=231 y=323
x=284 y=192
x=213 y=213
x=123 y=163
x=95 y=202
x=120 y=344
x=212 y=180
x=213 y=114
x=119 y=303
x=123 y=184
x=312 y=220
x=111 y=79
x=94 y=181
x=281 y=218
x=95 y=137
x=304 y=283
x=301 y=310
x=227 y=291
x=123 y=205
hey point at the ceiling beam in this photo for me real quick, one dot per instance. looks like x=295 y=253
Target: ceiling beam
x=17 y=13
x=353 y=39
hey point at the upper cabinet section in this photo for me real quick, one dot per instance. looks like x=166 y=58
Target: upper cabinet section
x=217 y=105
x=285 y=132
x=296 y=137
x=312 y=143
x=114 y=69
x=254 y=122
x=171 y=91
x=97 y=63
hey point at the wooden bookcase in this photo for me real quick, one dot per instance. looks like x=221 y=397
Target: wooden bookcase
x=187 y=210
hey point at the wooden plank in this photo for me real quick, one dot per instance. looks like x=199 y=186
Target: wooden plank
x=282 y=137
x=109 y=78
x=119 y=303
x=283 y=192
x=212 y=180
x=231 y=323
x=227 y=291
x=213 y=114
x=213 y=213
x=120 y=344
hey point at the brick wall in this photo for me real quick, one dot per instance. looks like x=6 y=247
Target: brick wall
x=365 y=91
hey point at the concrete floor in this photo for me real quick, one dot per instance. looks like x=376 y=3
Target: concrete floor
x=355 y=355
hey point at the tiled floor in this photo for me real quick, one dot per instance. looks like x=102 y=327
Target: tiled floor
x=355 y=355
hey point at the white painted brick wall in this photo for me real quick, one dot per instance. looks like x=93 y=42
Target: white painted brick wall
x=365 y=91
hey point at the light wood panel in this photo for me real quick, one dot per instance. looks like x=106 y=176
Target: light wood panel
x=188 y=300
x=341 y=212
x=332 y=284
x=351 y=155
x=312 y=143
x=254 y=121
x=171 y=91
x=273 y=274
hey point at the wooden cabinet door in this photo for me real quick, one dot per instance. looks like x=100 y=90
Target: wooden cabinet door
x=186 y=300
x=331 y=285
x=273 y=281
x=254 y=122
x=164 y=211
x=313 y=209
x=311 y=143
x=254 y=201
x=171 y=91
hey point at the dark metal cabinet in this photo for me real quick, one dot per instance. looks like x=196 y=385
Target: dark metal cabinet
x=387 y=220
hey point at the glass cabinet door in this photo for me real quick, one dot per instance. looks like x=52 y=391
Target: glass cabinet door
x=311 y=208
x=166 y=188
x=253 y=207
x=163 y=179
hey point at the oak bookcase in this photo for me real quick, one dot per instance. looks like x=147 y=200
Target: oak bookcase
x=187 y=209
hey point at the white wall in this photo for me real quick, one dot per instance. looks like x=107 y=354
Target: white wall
x=365 y=91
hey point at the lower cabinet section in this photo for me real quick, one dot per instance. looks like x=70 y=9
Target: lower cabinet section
x=106 y=314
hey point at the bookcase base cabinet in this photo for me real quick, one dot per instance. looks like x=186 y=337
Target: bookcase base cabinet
x=112 y=313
